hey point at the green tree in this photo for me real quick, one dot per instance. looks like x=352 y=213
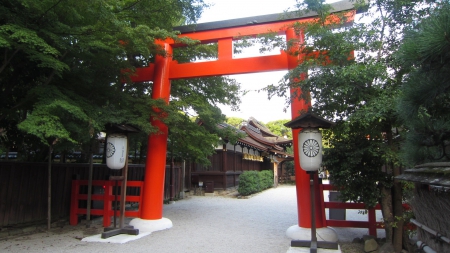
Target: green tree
x=235 y=121
x=355 y=81
x=277 y=127
x=61 y=69
x=425 y=99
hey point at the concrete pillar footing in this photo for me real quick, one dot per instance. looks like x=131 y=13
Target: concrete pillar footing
x=323 y=234
x=151 y=225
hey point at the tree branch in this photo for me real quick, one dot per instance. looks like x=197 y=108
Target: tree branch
x=130 y=6
x=383 y=27
x=7 y=61
x=50 y=77
x=43 y=14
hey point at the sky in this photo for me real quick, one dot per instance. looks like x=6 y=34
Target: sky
x=253 y=104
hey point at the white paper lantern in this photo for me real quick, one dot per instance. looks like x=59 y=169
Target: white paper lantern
x=310 y=149
x=116 y=151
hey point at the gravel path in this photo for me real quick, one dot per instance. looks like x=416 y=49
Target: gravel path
x=200 y=224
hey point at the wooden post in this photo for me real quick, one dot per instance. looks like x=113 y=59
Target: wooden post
x=74 y=203
x=91 y=171
x=123 y=189
x=155 y=165
x=107 y=204
x=372 y=222
x=49 y=188
x=224 y=165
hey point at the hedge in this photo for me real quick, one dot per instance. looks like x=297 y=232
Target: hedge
x=254 y=181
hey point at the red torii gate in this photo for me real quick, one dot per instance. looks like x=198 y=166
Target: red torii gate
x=223 y=32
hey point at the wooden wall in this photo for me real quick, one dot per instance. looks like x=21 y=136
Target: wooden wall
x=228 y=176
x=23 y=188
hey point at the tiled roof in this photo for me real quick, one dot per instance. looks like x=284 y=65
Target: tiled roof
x=260 y=138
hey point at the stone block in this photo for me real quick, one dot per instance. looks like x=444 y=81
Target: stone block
x=368 y=237
x=370 y=245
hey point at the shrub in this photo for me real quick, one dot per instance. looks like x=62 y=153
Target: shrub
x=253 y=181
x=248 y=183
x=266 y=179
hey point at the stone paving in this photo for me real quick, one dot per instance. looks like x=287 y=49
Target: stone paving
x=200 y=224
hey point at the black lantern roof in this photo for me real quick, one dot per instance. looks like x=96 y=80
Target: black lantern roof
x=121 y=128
x=309 y=120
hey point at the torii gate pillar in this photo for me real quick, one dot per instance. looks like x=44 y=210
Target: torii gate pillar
x=155 y=165
x=302 y=231
x=301 y=177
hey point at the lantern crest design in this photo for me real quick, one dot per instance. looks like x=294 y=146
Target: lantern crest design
x=311 y=148
x=110 y=149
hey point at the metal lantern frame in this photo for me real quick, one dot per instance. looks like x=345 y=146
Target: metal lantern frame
x=311 y=148
x=121 y=130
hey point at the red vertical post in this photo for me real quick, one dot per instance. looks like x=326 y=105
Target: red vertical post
x=298 y=106
x=322 y=204
x=107 y=203
x=155 y=165
x=74 y=202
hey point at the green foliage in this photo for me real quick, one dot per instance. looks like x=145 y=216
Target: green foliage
x=354 y=164
x=61 y=75
x=277 y=127
x=354 y=79
x=425 y=99
x=235 y=121
x=200 y=95
x=249 y=183
x=253 y=181
x=265 y=179
x=289 y=167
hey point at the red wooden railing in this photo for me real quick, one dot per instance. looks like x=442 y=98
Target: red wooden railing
x=371 y=224
x=107 y=197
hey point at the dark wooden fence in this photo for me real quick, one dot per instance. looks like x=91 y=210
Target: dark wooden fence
x=23 y=188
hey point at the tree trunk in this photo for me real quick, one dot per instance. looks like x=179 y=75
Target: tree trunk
x=49 y=188
x=397 y=207
x=386 y=209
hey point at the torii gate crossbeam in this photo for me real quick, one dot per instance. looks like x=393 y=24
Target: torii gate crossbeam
x=224 y=32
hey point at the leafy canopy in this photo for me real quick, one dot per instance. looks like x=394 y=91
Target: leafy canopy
x=61 y=72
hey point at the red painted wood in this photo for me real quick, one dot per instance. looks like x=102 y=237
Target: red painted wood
x=225 y=49
x=372 y=225
x=348 y=224
x=153 y=193
x=107 y=197
x=74 y=203
x=322 y=205
x=144 y=74
x=340 y=205
x=328 y=187
x=228 y=66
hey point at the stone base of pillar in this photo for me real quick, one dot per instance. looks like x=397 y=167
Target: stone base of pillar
x=323 y=234
x=151 y=225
